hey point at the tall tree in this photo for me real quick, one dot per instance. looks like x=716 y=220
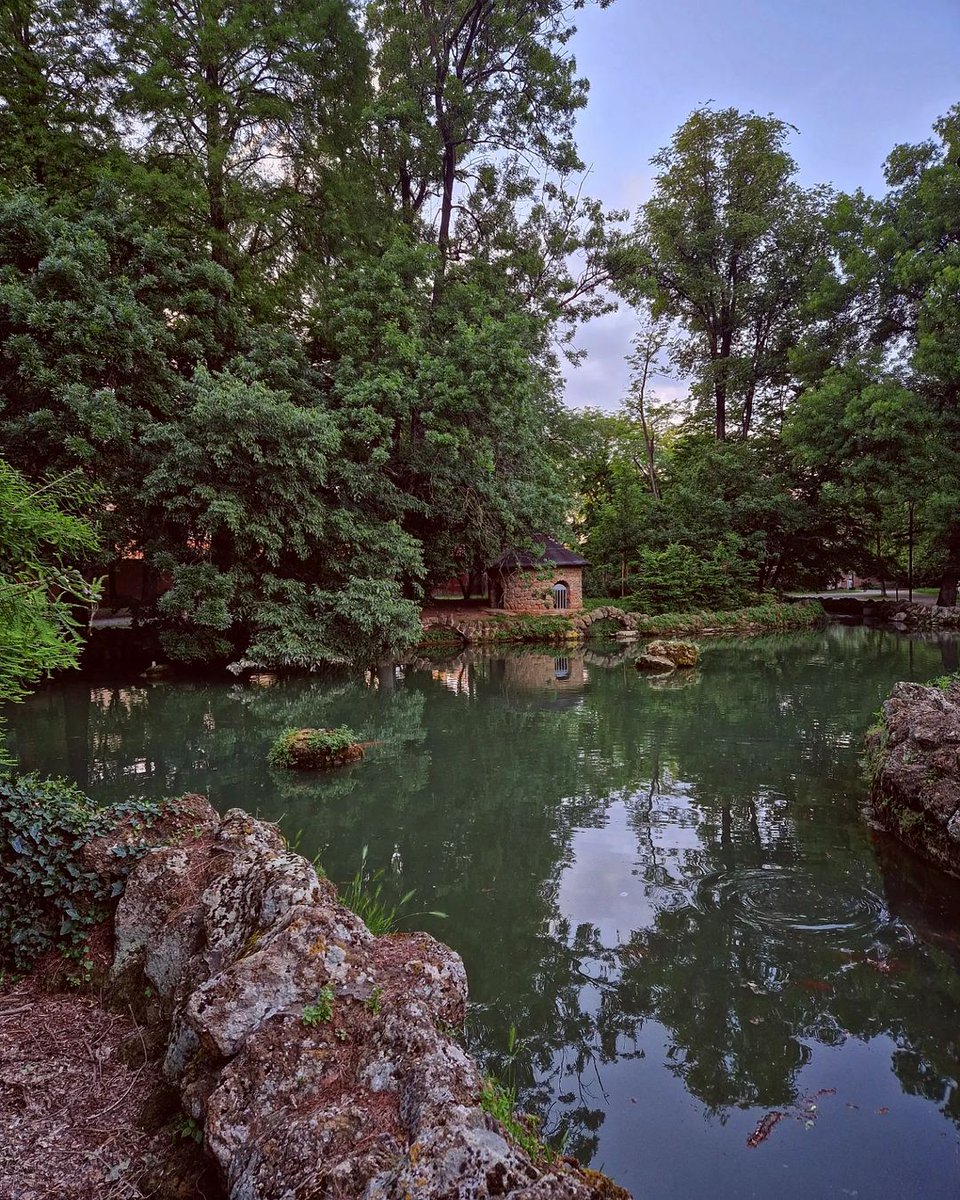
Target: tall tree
x=251 y=107
x=468 y=90
x=451 y=401
x=882 y=408
x=58 y=74
x=729 y=246
x=101 y=320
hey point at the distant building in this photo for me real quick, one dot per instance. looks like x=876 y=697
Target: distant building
x=523 y=581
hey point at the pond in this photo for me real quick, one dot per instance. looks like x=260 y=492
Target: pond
x=665 y=887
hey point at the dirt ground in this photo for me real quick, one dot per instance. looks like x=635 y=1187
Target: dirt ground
x=84 y=1110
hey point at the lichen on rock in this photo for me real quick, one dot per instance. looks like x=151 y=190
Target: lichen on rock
x=913 y=767
x=316 y=1057
x=681 y=654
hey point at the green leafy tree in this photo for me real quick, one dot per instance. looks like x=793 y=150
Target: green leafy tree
x=449 y=401
x=100 y=320
x=729 y=246
x=58 y=76
x=881 y=416
x=268 y=560
x=462 y=82
x=249 y=113
x=42 y=592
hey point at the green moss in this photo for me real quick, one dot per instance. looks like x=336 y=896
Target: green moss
x=310 y=747
x=530 y=628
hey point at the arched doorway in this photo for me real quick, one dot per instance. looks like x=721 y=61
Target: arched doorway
x=561 y=595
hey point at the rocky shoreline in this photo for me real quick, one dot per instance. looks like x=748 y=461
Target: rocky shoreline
x=904 y=615
x=491 y=629
x=913 y=768
x=310 y=1057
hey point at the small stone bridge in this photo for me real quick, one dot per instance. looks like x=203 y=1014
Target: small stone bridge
x=476 y=631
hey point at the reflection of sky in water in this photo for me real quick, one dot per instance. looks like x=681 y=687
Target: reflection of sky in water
x=601 y=885
x=665 y=886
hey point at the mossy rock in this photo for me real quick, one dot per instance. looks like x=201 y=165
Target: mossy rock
x=603 y=1188
x=681 y=654
x=315 y=749
x=653 y=662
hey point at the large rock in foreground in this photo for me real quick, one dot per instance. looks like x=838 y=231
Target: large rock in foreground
x=913 y=765
x=314 y=1056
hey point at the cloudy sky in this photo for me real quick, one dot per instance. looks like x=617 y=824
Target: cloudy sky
x=854 y=76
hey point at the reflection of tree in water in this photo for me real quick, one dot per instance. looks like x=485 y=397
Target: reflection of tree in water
x=740 y=792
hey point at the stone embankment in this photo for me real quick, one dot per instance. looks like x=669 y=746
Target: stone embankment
x=913 y=766
x=911 y=616
x=484 y=629
x=316 y=1059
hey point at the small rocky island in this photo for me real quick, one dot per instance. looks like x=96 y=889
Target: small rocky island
x=913 y=766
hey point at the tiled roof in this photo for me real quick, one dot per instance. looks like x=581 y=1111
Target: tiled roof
x=553 y=552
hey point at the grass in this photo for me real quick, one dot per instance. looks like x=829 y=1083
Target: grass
x=526 y=627
x=287 y=750
x=500 y=1102
x=364 y=895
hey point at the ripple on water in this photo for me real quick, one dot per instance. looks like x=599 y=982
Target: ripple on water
x=788 y=900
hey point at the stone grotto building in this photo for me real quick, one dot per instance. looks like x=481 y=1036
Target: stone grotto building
x=523 y=581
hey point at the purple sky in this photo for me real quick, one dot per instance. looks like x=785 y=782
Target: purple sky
x=854 y=76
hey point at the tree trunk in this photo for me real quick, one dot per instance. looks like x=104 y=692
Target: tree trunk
x=910 y=540
x=947 y=596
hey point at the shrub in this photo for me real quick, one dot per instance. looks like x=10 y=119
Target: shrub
x=678 y=579
x=47 y=893
x=767 y=616
x=527 y=627
x=322 y=1010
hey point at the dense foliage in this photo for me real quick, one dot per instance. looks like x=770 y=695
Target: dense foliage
x=298 y=324
x=42 y=595
x=814 y=335
x=292 y=286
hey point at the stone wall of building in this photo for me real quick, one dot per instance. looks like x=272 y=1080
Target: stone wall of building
x=532 y=591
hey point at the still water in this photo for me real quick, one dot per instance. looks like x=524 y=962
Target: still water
x=664 y=886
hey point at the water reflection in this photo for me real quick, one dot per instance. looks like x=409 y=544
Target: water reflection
x=664 y=885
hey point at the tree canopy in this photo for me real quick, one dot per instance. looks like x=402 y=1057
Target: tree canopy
x=811 y=337
x=291 y=284
x=290 y=290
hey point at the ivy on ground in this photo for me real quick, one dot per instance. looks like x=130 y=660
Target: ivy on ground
x=48 y=895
